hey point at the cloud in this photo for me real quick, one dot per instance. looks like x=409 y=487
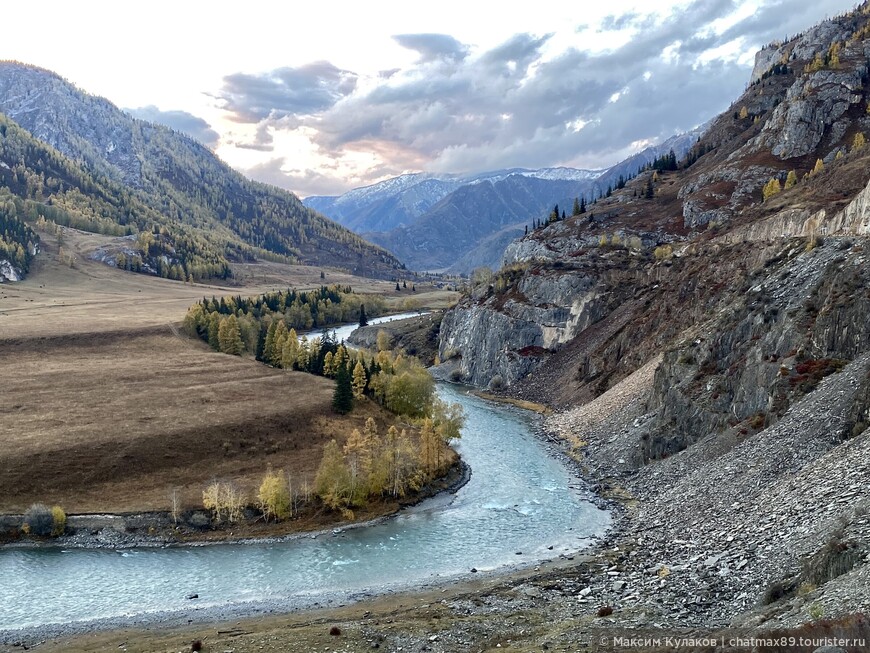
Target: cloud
x=182 y=121
x=521 y=103
x=286 y=91
x=305 y=182
x=433 y=47
x=263 y=141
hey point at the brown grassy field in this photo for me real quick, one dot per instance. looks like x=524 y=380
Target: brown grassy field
x=107 y=407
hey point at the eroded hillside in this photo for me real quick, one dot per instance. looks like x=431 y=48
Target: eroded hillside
x=704 y=332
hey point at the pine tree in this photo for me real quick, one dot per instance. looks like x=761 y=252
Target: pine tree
x=363 y=319
x=575 y=210
x=649 y=193
x=342 y=398
x=820 y=165
x=397 y=286
x=858 y=142
x=214 y=322
x=261 y=341
x=583 y=205
x=791 y=179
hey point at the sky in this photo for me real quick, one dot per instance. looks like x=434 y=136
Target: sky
x=323 y=97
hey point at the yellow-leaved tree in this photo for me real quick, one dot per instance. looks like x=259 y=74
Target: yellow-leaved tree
x=274 y=496
x=332 y=483
x=359 y=381
x=771 y=188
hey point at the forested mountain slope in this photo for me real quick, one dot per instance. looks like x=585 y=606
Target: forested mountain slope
x=178 y=179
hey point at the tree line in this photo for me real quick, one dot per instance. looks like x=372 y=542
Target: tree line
x=18 y=242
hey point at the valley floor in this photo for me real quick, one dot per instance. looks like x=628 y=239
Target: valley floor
x=688 y=559
x=107 y=408
x=758 y=535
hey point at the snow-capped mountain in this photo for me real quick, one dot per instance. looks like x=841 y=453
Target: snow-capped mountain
x=435 y=222
x=399 y=201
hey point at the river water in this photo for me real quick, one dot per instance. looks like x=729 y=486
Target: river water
x=518 y=500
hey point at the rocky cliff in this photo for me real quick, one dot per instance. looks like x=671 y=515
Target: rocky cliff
x=703 y=337
x=701 y=254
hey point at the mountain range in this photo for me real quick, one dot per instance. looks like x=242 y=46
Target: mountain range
x=457 y=223
x=203 y=214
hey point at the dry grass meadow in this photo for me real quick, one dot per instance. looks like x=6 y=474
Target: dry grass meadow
x=106 y=407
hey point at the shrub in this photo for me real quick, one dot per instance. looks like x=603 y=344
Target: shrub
x=605 y=611
x=663 y=252
x=38 y=520
x=780 y=590
x=496 y=383
x=58 y=517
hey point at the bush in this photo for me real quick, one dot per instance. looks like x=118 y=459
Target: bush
x=663 y=252
x=38 y=520
x=58 y=517
x=496 y=383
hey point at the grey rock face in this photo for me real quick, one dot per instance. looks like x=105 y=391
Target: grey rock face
x=814 y=103
x=510 y=341
x=46 y=106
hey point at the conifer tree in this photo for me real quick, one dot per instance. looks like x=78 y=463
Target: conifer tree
x=214 y=322
x=230 y=337
x=358 y=383
x=771 y=188
x=269 y=343
x=261 y=341
x=342 y=398
x=791 y=179
x=290 y=350
x=278 y=344
x=363 y=319
x=328 y=364
x=575 y=210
